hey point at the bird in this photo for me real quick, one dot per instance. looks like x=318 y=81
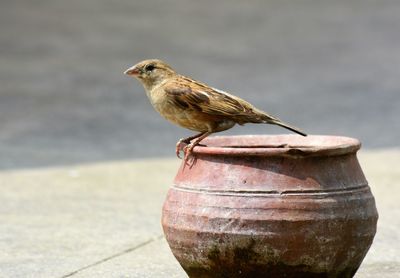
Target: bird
x=195 y=105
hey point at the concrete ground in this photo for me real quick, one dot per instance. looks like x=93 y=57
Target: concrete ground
x=85 y=162
x=103 y=220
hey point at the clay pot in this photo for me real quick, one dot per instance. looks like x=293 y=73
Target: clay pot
x=271 y=206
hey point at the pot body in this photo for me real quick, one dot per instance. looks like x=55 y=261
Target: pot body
x=271 y=206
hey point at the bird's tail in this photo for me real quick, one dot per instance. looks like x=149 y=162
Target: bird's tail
x=272 y=120
x=292 y=128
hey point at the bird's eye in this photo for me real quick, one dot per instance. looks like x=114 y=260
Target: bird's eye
x=150 y=67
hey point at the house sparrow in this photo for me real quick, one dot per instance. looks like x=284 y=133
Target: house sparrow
x=195 y=105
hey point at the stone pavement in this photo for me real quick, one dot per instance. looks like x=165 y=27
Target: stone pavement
x=103 y=219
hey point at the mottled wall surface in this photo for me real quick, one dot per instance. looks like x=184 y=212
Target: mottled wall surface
x=329 y=67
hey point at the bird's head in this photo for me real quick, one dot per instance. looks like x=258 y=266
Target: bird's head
x=150 y=72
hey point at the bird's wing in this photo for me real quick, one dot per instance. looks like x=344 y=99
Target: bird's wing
x=191 y=94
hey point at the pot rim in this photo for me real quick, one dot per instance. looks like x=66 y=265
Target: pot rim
x=278 y=145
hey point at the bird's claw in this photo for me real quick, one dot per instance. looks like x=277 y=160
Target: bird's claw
x=181 y=146
x=187 y=152
x=184 y=146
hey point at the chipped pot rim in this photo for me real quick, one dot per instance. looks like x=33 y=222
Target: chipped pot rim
x=278 y=145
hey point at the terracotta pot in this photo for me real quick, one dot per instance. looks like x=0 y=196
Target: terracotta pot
x=271 y=206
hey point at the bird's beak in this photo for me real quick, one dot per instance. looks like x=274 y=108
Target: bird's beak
x=132 y=71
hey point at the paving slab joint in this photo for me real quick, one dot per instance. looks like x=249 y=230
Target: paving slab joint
x=134 y=248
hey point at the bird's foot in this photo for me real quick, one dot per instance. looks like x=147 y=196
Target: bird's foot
x=188 y=150
x=181 y=146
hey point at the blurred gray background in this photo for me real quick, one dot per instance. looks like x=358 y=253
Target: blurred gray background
x=329 y=67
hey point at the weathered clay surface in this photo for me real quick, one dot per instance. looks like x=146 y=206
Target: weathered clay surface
x=271 y=206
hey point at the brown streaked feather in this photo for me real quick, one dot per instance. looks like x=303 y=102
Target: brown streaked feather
x=183 y=97
x=206 y=99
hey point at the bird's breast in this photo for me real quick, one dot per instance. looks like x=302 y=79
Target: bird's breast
x=183 y=117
